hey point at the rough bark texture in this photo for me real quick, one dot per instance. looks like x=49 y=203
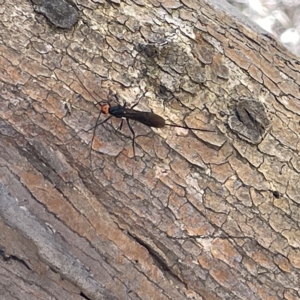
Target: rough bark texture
x=197 y=215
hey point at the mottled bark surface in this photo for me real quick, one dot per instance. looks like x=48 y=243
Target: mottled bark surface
x=197 y=215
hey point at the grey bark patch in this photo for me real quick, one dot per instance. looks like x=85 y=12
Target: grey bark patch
x=58 y=12
x=250 y=121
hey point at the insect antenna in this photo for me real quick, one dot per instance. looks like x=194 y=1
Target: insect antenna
x=187 y=127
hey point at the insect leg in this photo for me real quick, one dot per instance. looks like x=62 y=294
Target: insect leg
x=120 y=125
x=133 y=137
x=135 y=104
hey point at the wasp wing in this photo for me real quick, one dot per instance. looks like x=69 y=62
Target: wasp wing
x=146 y=118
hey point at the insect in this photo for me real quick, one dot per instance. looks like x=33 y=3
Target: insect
x=147 y=118
x=122 y=112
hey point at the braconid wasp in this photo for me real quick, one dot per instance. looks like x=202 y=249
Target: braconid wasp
x=122 y=112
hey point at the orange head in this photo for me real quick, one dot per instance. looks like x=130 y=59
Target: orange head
x=105 y=108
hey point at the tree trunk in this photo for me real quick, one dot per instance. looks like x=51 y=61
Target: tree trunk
x=194 y=214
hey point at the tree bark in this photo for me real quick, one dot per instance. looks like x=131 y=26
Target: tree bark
x=196 y=214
